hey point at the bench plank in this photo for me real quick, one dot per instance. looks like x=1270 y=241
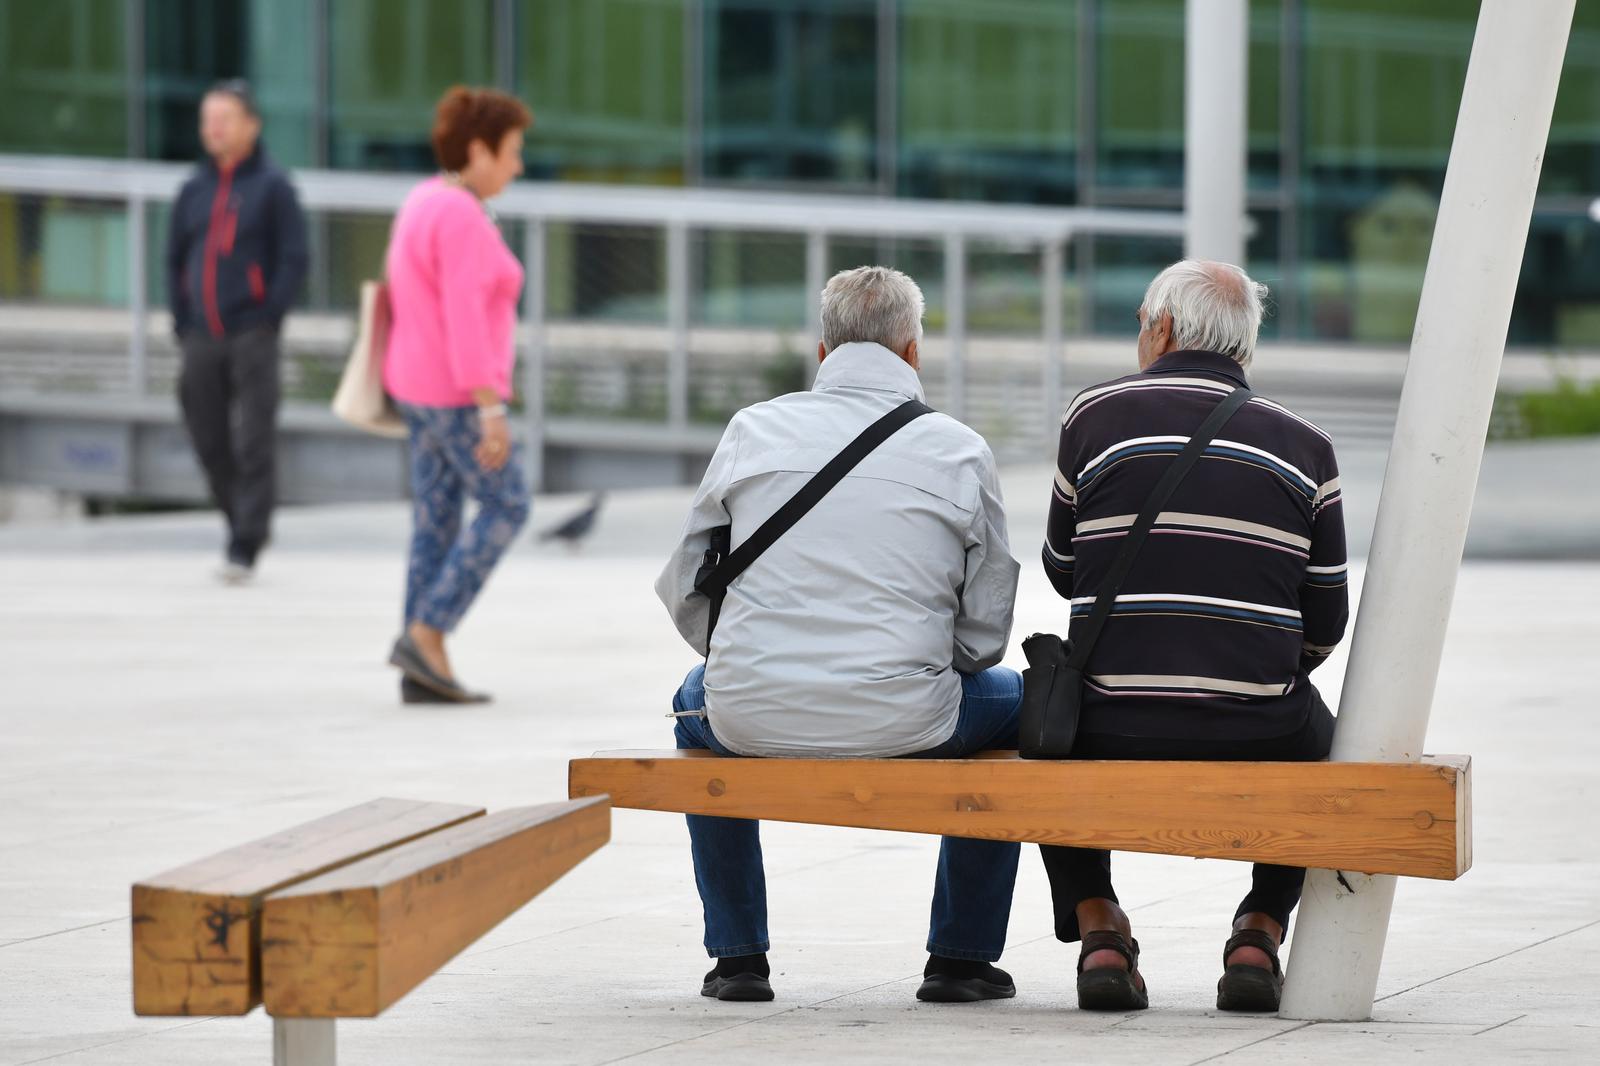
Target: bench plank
x=196 y=929
x=352 y=942
x=1394 y=818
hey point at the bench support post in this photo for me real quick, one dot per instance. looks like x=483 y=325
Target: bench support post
x=303 y=1042
x=1478 y=241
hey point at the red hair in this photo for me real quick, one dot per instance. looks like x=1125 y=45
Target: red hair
x=464 y=115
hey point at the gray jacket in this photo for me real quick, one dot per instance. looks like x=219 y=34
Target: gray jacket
x=846 y=636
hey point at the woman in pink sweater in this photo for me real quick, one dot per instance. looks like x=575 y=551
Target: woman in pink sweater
x=453 y=290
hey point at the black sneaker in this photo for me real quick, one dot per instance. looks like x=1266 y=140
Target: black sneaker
x=739 y=980
x=963 y=981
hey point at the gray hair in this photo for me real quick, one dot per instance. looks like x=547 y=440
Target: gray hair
x=1214 y=307
x=871 y=303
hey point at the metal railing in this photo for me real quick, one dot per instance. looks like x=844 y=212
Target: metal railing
x=678 y=214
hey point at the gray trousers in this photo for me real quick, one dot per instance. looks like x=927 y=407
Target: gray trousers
x=229 y=390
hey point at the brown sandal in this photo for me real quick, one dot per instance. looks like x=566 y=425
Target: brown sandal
x=1250 y=988
x=1106 y=987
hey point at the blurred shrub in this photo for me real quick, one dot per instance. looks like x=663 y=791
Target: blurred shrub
x=1570 y=409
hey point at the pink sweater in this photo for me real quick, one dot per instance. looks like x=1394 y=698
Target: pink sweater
x=453 y=289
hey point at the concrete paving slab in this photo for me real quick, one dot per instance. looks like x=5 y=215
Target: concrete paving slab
x=151 y=716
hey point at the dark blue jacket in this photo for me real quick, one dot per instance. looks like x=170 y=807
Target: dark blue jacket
x=236 y=251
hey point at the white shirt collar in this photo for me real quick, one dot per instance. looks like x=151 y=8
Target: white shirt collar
x=865 y=365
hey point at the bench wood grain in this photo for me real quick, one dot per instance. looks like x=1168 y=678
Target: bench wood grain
x=352 y=942
x=196 y=929
x=1393 y=818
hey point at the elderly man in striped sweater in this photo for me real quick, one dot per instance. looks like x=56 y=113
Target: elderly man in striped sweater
x=1237 y=595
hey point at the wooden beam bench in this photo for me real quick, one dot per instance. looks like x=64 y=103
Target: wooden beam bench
x=1379 y=818
x=197 y=929
x=342 y=916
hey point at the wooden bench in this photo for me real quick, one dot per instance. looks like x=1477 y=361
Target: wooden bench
x=342 y=916
x=1379 y=818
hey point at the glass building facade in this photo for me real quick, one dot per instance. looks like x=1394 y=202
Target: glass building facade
x=1351 y=110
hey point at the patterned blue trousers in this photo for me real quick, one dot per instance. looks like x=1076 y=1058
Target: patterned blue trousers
x=448 y=565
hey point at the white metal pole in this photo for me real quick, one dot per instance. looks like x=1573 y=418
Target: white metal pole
x=138 y=297
x=1456 y=348
x=1050 y=264
x=303 y=1042
x=533 y=258
x=1216 y=77
x=816 y=278
x=955 y=325
x=678 y=324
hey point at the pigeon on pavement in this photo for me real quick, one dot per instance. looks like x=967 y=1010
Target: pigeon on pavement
x=579 y=526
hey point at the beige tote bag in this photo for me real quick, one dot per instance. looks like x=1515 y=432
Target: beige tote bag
x=360 y=399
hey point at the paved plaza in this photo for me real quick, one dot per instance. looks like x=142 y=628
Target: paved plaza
x=151 y=716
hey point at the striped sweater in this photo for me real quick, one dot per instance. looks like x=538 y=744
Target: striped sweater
x=1240 y=589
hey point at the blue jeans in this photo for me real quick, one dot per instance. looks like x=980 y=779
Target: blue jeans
x=448 y=566
x=971 y=892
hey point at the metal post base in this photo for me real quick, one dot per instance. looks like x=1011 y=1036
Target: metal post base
x=303 y=1042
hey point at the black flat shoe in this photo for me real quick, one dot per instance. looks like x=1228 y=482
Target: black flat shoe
x=408 y=658
x=737 y=988
x=1107 y=987
x=1250 y=988
x=411 y=692
x=964 y=983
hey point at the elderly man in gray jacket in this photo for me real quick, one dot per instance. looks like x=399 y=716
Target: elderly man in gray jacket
x=870 y=629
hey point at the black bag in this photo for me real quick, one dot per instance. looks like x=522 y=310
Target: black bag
x=721 y=564
x=1052 y=685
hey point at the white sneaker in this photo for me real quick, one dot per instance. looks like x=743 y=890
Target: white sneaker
x=232 y=573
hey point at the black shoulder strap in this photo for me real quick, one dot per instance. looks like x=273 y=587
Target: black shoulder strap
x=719 y=571
x=1140 y=529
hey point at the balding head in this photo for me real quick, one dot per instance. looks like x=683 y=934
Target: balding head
x=1200 y=304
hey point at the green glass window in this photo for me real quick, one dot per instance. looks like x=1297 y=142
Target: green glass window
x=1264 y=260
x=64 y=78
x=606 y=82
x=1558 y=293
x=1572 y=163
x=1265 y=107
x=1558 y=297
x=1139 y=94
x=988 y=100
x=192 y=44
x=617 y=273
x=791 y=91
x=282 y=71
x=188 y=45
x=1382 y=85
x=1139 y=91
x=749 y=279
x=1123 y=269
x=57 y=249
x=389 y=63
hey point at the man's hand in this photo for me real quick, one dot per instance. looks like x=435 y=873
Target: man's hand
x=494 y=441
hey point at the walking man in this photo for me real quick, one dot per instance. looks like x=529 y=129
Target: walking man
x=236 y=255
